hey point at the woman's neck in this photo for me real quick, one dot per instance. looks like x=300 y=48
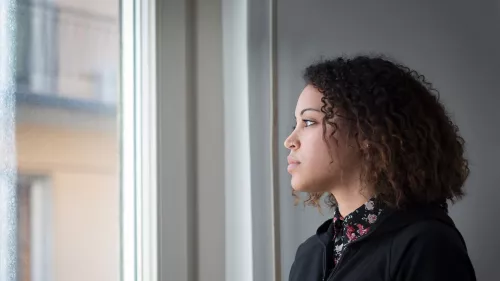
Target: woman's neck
x=348 y=200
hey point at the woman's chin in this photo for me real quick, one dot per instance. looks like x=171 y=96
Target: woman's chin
x=301 y=186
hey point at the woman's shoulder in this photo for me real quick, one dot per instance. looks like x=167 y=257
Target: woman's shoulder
x=429 y=224
x=431 y=233
x=423 y=231
x=435 y=248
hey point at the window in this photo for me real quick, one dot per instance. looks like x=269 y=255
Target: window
x=67 y=209
x=35 y=246
x=66 y=140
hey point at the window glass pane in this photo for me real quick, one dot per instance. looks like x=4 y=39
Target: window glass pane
x=65 y=138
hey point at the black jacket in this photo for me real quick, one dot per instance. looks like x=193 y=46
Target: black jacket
x=421 y=244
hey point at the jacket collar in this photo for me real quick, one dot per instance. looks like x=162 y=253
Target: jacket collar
x=394 y=219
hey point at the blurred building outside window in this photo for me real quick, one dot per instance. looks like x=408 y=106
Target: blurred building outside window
x=67 y=145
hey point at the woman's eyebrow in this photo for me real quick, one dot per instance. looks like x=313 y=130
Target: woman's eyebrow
x=309 y=109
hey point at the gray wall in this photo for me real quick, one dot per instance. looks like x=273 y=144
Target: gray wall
x=455 y=45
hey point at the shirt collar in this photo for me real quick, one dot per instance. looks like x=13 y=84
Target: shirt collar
x=359 y=222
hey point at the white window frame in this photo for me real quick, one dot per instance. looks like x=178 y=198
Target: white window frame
x=217 y=201
x=204 y=152
x=138 y=120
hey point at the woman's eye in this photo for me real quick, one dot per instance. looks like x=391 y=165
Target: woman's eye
x=309 y=123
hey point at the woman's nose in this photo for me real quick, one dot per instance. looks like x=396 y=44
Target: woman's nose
x=290 y=142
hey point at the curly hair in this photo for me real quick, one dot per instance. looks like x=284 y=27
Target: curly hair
x=411 y=151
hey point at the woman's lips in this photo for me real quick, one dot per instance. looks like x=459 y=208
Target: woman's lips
x=292 y=164
x=291 y=167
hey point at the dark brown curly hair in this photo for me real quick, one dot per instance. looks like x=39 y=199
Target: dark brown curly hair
x=412 y=152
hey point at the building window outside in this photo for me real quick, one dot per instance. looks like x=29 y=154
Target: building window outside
x=68 y=49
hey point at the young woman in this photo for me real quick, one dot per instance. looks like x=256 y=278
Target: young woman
x=373 y=136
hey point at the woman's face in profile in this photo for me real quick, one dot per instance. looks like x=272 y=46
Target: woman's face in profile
x=317 y=163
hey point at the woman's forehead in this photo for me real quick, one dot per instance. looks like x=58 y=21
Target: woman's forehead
x=309 y=98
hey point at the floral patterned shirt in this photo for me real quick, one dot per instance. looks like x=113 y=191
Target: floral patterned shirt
x=354 y=225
